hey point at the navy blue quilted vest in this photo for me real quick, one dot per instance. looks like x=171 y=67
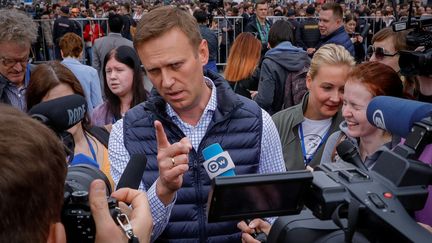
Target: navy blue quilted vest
x=236 y=126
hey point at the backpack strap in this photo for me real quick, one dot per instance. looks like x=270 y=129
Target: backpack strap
x=295 y=87
x=101 y=134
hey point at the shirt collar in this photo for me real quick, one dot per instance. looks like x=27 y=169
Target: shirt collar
x=115 y=34
x=71 y=60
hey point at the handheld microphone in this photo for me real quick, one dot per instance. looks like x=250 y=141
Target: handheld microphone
x=62 y=113
x=218 y=162
x=133 y=172
x=348 y=152
x=396 y=115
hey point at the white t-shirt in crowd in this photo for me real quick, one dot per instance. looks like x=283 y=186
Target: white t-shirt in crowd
x=314 y=132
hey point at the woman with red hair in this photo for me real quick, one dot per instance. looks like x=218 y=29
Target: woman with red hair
x=242 y=69
x=364 y=82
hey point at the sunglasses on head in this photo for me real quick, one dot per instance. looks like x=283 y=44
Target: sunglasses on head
x=380 y=52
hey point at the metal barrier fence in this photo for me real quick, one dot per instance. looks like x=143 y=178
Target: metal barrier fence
x=43 y=49
x=226 y=38
x=226 y=28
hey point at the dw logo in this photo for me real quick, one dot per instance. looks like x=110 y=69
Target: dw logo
x=215 y=165
x=378 y=119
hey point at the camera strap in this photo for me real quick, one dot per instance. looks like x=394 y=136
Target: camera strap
x=125 y=225
x=347 y=227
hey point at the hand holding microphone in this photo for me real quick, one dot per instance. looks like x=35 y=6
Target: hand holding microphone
x=173 y=160
x=219 y=163
x=250 y=230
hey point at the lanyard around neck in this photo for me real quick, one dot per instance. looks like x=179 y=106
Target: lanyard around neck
x=303 y=145
x=91 y=147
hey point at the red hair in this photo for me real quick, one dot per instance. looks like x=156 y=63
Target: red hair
x=243 y=58
x=378 y=78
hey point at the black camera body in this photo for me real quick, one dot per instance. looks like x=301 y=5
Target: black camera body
x=378 y=204
x=345 y=204
x=340 y=183
x=76 y=214
x=416 y=62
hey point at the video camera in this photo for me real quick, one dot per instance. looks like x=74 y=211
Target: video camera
x=61 y=114
x=346 y=201
x=416 y=62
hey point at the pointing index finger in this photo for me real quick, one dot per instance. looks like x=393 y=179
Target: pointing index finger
x=161 y=138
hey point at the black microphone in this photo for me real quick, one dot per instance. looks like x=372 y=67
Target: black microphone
x=133 y=172
x=348 y=152
x=62 y=113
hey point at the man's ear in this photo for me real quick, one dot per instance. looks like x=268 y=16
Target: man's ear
x=203 y=52
x=57 y=233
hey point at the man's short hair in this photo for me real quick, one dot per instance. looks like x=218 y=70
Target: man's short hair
x=127 y=7
x=260 y=2
x=71 y=45
x=280 y=31
x=200 y=16
x=310 y=10
x=247 y=5
x=32 y=174
x=16 y=27
x=335 y=7
x=163 y=19
x=115 y=23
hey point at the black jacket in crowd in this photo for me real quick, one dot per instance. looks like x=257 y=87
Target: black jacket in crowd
x=65 y=25
x=252 y=27
x=308 y=34
x=212 y=41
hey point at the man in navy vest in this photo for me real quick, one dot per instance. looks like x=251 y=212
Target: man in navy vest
x=187 y=112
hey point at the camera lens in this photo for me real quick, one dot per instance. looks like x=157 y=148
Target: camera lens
x=80 y=177
x=76 y=213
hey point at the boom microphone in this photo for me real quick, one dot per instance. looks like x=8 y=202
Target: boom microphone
x=133 y=172
x=62 y=113
x=348 y=152
x=396 y=115
x=218 y=162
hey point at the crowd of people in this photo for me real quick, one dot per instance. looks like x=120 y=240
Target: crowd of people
x=291 y=90
x=228 y=21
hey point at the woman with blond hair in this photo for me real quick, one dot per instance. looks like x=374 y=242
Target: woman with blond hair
x=242 y=71
x=305 y=127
